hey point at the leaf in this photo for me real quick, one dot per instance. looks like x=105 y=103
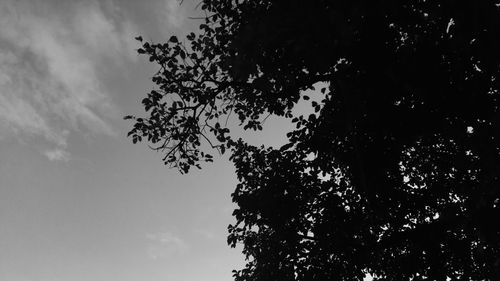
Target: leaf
x=174 y=39
x=286 y=146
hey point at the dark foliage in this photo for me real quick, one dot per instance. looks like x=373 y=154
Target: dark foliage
x=396 y=173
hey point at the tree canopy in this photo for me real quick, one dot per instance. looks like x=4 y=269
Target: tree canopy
x=396 y=170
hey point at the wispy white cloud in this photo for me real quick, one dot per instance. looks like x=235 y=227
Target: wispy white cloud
x=50 y=63
x=173 y=16
x=57 y=155
x=206 y=233
x=165 y=244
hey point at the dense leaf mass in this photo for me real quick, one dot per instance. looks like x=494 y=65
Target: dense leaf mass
x=394 y=173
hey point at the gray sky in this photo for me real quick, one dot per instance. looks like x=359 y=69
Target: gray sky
x=78 y=201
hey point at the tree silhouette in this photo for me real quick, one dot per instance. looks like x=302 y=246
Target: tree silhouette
x=396 y=170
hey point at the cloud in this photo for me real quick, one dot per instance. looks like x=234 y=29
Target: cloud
x=165 y=244
x=57 y=155
x=174 y=13
x=51 y=63
x=206 y=233
x=174 y=16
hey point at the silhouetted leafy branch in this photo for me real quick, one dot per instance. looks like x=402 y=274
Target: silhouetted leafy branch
x=395 y=171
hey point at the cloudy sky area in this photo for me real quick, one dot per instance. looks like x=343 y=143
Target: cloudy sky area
x=78 y=201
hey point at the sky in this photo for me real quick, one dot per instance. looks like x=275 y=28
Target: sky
x=78 y=200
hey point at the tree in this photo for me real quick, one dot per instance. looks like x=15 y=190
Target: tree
x=394 y=173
